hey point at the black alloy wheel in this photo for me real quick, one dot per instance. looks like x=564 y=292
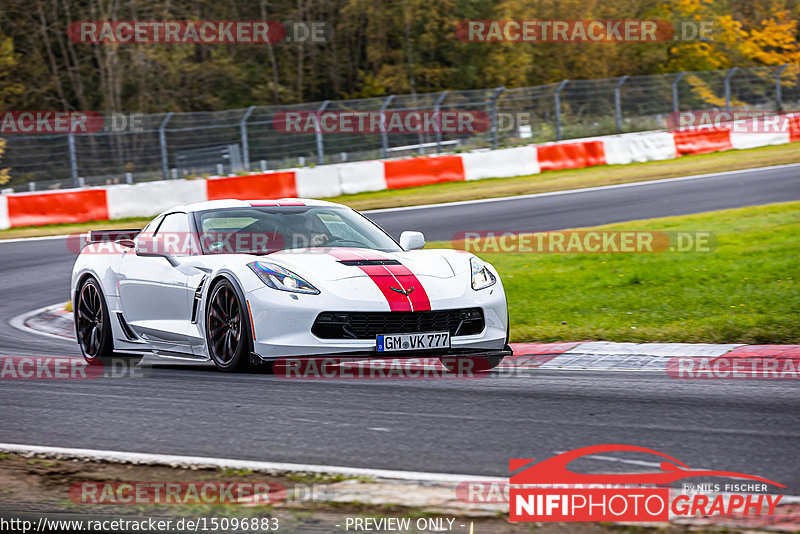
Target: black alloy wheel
x=227 y=329
x=92 y=325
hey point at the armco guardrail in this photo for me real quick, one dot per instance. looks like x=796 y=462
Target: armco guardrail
x=149 y=198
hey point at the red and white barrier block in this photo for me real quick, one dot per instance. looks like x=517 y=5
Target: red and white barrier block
x=504 y=163
x=56 y=207
x=4 y=222
x=149 y=198
x=638 y=147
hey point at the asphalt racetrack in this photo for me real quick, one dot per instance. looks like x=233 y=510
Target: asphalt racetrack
x=453 y=426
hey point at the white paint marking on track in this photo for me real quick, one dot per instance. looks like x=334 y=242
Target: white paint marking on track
x=230 y=463
x=585 y=189
x=18 y=322
x=652 y=349
x=39 y=238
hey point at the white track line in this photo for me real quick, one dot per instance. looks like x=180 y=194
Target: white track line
x=585 y=189
x=229 y=463
x=18 y=322
x=271 y=467
x=40 y=238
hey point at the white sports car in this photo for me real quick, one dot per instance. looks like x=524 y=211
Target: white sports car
x=248 y=282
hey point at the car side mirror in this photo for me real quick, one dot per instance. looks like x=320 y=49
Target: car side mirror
x=412 y=240
x=127 y=243
x=148 y=246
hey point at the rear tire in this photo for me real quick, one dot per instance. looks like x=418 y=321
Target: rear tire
x=92 y=323
x=470 y=364
x=227 y=328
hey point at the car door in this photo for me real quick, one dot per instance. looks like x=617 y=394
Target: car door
x=153 y=289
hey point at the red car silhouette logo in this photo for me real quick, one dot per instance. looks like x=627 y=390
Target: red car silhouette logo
x=554 y=470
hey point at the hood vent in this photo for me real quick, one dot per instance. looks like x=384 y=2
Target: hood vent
x=363 y=263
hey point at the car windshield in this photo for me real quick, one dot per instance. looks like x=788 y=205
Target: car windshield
x=263 y=230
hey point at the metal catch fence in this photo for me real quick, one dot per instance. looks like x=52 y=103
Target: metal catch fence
x=175 y=145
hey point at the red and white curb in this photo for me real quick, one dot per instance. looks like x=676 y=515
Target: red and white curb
x=55 y=322
x=607 y=355
x=679 y=360
x=51 y=321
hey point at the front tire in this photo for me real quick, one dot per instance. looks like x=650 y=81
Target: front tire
x=227 y=329
x=92 y=323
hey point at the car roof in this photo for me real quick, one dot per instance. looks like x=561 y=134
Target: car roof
x=233 y=203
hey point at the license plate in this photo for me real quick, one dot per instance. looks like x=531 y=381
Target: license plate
x=425 y=341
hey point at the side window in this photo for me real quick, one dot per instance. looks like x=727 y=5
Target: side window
x=173 y=234
x=151 y=227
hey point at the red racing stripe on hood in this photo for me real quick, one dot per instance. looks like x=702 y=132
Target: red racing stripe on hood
x=401 y=288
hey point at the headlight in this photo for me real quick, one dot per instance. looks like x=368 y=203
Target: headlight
x=280 y=278
x=482 y=277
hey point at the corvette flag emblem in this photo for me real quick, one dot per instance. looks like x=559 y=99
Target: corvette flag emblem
x=406 y=292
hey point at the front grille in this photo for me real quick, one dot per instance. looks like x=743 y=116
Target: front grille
x=367 y=325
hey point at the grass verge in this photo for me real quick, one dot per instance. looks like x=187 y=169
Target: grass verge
x=72 y=228
x=499 y=187
x=745 y=291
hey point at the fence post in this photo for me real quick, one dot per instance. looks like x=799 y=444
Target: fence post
x=778 y=86
x=438 y=118
x=728 y=88
x=493 y=107
x=558 y=108
x=384 y=135
x=618 y=104
x=675 y=82
x=243 y=129
x=162 y=140
x=318 y=130
x=73 y=159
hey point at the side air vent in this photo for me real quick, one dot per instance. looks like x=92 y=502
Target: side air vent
x=362 y=263
x=126 y=328
x=198 y=296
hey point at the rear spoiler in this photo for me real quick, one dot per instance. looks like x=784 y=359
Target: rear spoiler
x=104 y=236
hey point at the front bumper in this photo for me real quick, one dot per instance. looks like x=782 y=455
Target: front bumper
x=282 y=321
x=506 y=352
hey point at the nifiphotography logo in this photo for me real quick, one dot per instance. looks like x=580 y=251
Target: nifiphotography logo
x=548 y=491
